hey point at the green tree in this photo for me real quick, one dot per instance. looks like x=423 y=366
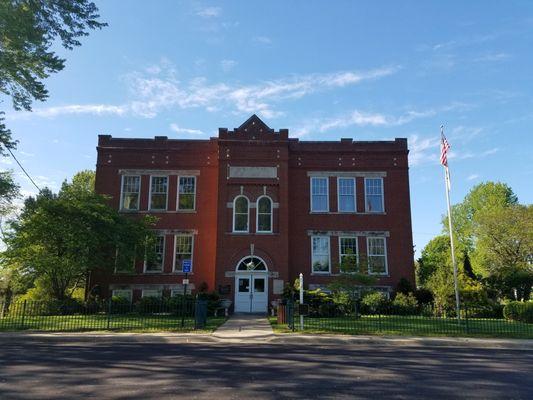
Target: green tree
x=9 y=191
x=59 y=238
x=435 y=255
x=28 y=31
x=483 y=198
x=505 y=248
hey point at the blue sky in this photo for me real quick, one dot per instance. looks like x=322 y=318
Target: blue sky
x=367 y=70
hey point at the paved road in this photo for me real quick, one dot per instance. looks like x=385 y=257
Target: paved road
x=137 y=367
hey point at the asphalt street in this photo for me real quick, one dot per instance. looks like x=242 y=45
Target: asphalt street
x=135 y=367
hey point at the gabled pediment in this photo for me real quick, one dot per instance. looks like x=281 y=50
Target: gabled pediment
x=254 y=124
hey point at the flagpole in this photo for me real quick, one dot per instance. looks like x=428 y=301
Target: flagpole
x=450 y=228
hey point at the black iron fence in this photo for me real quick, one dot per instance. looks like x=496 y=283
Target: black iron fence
x=383 y=321
x=181 y=315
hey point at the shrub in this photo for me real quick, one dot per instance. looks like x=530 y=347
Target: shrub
x=404 y=286
x=374 y=302
x=518 y=311
x=423 y=296
x=316 y=298
x=405 y=304
x=213 y=301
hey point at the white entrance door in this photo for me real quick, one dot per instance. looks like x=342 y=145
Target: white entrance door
x=251 y=292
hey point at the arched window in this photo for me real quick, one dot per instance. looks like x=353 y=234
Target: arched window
x=264 y=214
x=251 y=264
x=240 y=214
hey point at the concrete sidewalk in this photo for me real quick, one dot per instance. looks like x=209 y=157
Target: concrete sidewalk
x=245 y=327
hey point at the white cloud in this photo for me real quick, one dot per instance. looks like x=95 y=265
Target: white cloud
x=74 y=109
x=153 y=93
x=423 y=150
x=471 y=177
x=178 y=129
x=209 y=12
x=262 y=40
x=492 y=57
x=228 y=65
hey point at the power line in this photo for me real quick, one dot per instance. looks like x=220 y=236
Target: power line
x=23 y=170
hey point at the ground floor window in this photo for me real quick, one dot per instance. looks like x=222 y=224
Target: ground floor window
x=152 y=293
x=183 y=246
x=154 y=261
x=124 y=294
x=377 y=255
x=320 y=254
x=348 y=254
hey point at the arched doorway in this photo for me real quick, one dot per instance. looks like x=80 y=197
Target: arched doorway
x=251 y=285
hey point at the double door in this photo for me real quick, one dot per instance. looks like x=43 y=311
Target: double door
x=251 y=292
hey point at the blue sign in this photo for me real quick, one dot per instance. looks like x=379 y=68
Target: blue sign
x=186 y=265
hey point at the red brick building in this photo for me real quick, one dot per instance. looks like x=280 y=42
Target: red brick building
x=253 y=208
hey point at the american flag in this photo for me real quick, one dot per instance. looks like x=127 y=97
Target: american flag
x=444 y=147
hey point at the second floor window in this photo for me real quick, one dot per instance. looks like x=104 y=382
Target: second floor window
x=131 y=188
x=158 y=192
x=184 y=247
x=187 y=193
x=319 y=194
x=264 y=214
x=346 y=191
x=320 y=254
x=240 y=214
x=374 y=195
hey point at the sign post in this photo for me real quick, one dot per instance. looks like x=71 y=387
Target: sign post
x=301 y=300
x=186 y=267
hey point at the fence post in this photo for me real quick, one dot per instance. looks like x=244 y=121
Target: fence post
x=23 y=314
x=466 y=317
x=109 y=303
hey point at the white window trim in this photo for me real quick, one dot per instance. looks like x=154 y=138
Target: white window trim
x=130 y=297
x=162 y=259
x=354 y=195
x=194 y=194
x=271 y=214
x=150 y=194
x=152 y=290
x=382 y=197
x=356 y=248
x=122 y=193
x=311 y=193
x=328 y=272
x=248 y=215
x=386 y=273
x=174 y=256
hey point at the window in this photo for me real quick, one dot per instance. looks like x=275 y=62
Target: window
x=152 y=293
x=131 y=188
x=158 y=192
x=187 y=193
x=154 y=263
x=122 y=294
x=374 y=195
x=346 y=194
x=377 y=255
x=320 y=254
x=348 y=255
x=264 y=214
x=319 y=194
x=240 y=214
x=183 y=245
x=251 y=264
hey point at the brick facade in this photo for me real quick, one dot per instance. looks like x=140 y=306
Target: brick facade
x=253 y=161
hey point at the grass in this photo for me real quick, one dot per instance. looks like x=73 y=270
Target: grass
x=412 y=326
x=98 y=322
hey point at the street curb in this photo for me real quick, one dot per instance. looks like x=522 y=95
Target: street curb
x=276 y=338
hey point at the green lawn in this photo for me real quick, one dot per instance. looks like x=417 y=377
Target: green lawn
x=131 y=323
x=412 y=326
